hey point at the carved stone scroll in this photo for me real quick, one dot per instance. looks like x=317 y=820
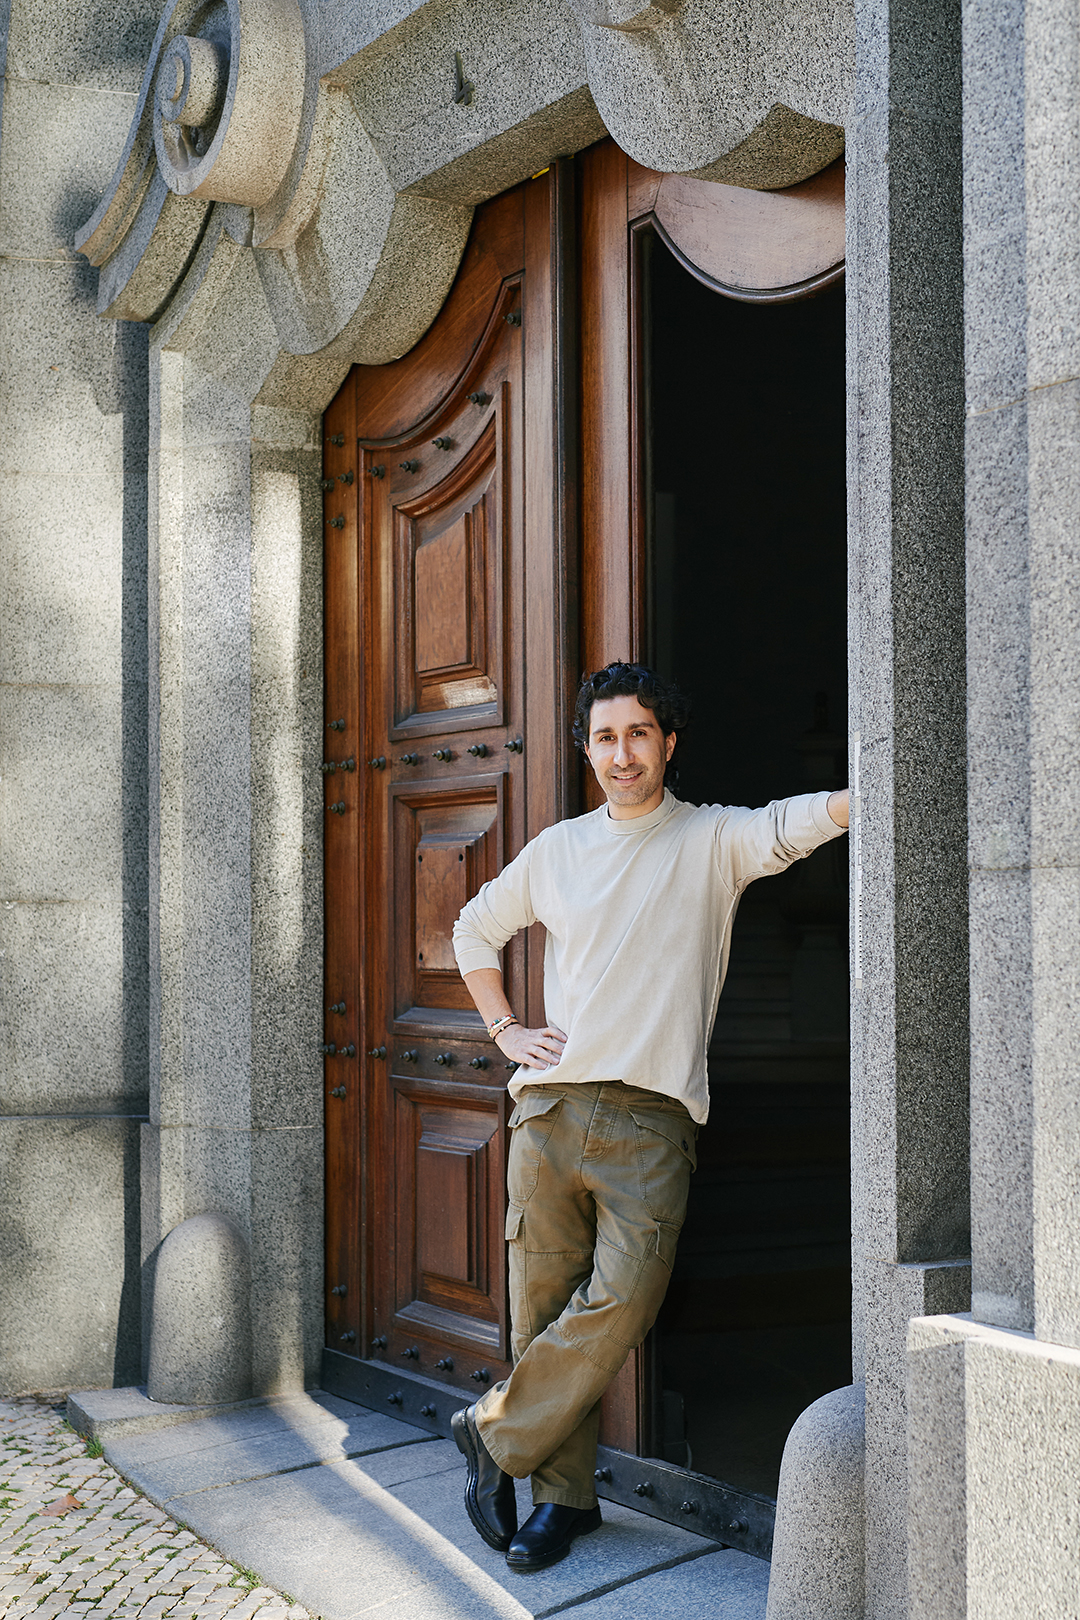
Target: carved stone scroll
x=344 y=166
x=228 y=102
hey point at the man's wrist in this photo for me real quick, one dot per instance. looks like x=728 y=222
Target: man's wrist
x=503 y=1032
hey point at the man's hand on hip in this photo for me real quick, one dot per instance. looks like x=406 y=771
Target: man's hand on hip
x=539 y=1048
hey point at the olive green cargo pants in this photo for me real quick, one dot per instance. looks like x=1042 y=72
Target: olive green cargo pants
x=598 y=1178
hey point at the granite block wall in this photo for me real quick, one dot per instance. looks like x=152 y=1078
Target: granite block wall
x=1022 y=335
x=994 y=1422
x=73 y=703
x=993 y=1509
x=907 y=681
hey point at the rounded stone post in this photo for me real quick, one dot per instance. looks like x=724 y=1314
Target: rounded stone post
x=200 y=1332
x=818 y=1560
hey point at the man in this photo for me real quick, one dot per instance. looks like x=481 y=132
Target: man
x=638 y=899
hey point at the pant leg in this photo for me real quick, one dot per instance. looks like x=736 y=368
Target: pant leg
x=635 y=1164
x=551 y=1232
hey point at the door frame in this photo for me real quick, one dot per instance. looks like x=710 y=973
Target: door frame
x=582 y=228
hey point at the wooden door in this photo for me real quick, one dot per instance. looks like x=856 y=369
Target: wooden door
x=449 y=623
x=470 y=576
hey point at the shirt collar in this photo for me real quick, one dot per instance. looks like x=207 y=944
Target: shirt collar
x=640 y=824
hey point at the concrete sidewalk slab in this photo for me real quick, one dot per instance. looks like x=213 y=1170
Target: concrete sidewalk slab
x=249 y=1445
x=355 y=1513
x=725 y=1585
x=626 y=1546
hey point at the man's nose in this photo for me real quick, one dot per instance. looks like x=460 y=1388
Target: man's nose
x=623 y=752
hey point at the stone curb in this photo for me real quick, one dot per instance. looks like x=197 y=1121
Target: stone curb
x=97 y=1414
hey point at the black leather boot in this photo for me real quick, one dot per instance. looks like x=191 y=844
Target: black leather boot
x=546 y=1535
x=489 y=1493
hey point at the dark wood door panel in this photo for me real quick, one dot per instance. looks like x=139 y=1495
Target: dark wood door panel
x=431 y=1047
x=444 y=675
x=450 y=566
x=449 y=839
x=450 y=1271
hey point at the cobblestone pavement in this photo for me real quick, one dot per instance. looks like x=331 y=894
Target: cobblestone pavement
x=109 y=1554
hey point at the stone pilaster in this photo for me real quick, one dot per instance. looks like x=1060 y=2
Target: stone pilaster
x=1022 y=334
x=909 y=1019
x=236 y=1123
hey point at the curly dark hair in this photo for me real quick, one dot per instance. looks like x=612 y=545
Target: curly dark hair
x=670 y=706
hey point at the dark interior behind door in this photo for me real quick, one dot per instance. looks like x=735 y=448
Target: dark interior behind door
x=745 y=504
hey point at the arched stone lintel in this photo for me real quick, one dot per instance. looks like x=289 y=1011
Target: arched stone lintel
x=785 y=149
x=354 y=256
x=759 y=102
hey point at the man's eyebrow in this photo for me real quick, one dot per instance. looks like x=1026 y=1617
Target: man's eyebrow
x=635 y=725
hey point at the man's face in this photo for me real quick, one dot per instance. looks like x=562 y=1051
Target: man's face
x=628 y=751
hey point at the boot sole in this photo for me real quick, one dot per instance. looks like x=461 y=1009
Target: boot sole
x=526 y=1566
x=464 y=1441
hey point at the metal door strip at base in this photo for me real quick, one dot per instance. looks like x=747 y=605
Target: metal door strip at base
x=678 y=1496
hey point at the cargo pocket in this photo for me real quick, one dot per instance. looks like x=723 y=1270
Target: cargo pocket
x=667 y=1153
x=531 y=1124
x=667 y=1241
x=515 y=1276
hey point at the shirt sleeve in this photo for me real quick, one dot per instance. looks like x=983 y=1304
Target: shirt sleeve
x=760 y=843
x=501 y=909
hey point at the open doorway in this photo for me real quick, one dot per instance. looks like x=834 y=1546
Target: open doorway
x=745 y=500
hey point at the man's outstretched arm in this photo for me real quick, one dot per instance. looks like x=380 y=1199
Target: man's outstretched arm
x=838 y=807
x=540 y=1048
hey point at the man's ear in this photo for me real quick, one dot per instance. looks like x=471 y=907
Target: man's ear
x=671 y=739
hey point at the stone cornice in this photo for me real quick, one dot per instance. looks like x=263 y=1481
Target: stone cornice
x=344 y=162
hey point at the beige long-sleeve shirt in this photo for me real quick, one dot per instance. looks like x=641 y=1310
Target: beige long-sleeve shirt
x=638 y=916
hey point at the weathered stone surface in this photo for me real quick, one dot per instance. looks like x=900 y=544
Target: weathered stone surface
x=725 y=1585
x=200 y=1337
x=785 y=78
x=819 y=1554
x=895 y=1294
x=359 y=231
x=69 y=1219
x=241 y=86
x=995 y=1426
x=910 y=1055
x=236 y=839
x=128 y=1411
x=371 y=272
x=69 y=956
x=937 y=1483
x=60 y=143
x=1022 y=341
x=73 y=946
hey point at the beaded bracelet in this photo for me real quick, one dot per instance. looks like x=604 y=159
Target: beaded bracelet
x=500 y=1024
